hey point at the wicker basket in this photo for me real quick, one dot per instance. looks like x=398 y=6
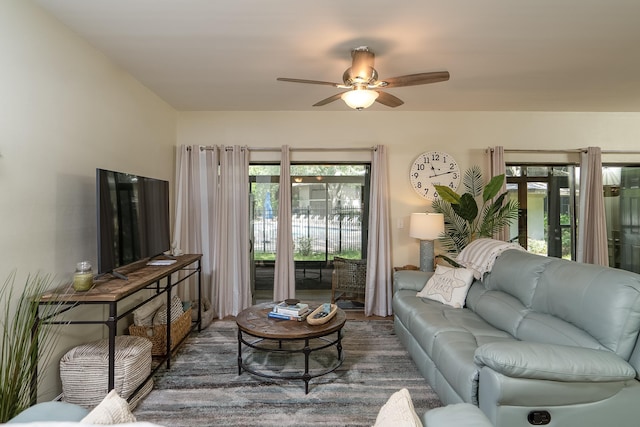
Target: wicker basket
x=207 y=312
x=157 y=334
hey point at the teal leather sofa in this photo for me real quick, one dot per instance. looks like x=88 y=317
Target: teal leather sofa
x=541 y=341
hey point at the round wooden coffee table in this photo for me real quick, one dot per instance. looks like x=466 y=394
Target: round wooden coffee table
x=264 y=332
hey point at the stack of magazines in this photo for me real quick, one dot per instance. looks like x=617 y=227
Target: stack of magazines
x=285 y=311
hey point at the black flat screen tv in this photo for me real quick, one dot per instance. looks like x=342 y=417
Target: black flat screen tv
x=133 y=219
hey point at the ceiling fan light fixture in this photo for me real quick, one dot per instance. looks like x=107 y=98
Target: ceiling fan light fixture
x=359 y=99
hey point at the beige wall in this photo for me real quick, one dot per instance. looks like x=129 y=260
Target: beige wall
x=465 y=135
x=64 y=111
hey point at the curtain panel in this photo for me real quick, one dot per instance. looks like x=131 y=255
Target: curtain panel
x=378 y=292
x=592 y=226
x=497 y=167
x=284 y=285
x=212 y=218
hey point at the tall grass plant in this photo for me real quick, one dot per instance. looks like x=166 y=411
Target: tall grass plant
x=25 y=341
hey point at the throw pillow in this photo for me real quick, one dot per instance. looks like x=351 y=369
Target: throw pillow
x=448 y=286
x=112 y=410
x=398 y=412
x=176 y=311
x=143 y=316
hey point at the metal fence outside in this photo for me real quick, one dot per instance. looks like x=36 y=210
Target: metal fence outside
x=316 y=236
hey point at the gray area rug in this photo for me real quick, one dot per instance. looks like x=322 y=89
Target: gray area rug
x=203 y=387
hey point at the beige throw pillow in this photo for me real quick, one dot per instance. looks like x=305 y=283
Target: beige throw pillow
x=177 y=310
x=143 y=316
x=398 y=412
x=448 y=286
x=112 y=410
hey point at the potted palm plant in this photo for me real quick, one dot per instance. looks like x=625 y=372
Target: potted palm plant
x=478 y=212
x=24 y=342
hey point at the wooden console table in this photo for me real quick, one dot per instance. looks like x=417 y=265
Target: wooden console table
x=108 y=291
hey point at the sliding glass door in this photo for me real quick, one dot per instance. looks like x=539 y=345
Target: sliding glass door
x=546 y=219
x=329 y=218
x=622 y=208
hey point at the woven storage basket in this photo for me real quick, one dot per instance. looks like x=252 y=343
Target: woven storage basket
x=158 y=334
x=207 y=312
x=84 y=370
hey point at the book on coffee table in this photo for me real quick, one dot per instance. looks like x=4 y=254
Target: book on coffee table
x=291 y=309
x=280 y=316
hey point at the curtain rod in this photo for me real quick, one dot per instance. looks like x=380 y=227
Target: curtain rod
x=277 y=149
x=568 y=151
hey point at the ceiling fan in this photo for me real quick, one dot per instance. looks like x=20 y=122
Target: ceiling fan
x=364 y=87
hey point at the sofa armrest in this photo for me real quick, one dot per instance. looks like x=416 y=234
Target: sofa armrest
x=51 y=411
x=412 y=280
x=519 y=359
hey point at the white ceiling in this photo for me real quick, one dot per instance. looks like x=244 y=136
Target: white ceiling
x=514 y=55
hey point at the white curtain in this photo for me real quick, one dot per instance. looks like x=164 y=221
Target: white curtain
x=498 y=167
x=592 y=227
x=378 y=290
x=284 y=274
x=212 y=218
x=194 y=231
x=234 y=283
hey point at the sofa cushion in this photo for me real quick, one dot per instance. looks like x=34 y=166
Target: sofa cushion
x=501 y=310
x=517 y=273
x=448 y=286
x=521 y=359
x=604 y=302
x=538 y=327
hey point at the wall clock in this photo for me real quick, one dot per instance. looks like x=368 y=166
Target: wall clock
x=434 y=168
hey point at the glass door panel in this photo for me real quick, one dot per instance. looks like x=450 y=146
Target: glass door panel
x=546 y=218
x=622 y=208
x=329 y=211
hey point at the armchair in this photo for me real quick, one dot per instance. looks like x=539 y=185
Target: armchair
x=348 y=279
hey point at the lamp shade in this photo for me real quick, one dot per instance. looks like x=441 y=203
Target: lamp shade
x=360 y=98
x=426 y=226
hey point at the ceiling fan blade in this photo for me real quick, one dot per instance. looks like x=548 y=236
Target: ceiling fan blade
x=417 y=79
x=313 y=82
x=389 y=100
x=328 y=100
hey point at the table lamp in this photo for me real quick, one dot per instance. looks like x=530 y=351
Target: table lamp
x=427 y=227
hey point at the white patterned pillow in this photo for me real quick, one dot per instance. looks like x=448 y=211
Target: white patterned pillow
x=177 y=310
x=112 y=410
x=398 y=412
x=448 y=286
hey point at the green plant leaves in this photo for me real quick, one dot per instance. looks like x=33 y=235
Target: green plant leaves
x=473 y=214
x=467 y=209
x=472 y=181
x=447 y=194
x=492 y=188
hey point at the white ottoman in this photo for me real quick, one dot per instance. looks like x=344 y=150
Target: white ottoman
x=84 y=370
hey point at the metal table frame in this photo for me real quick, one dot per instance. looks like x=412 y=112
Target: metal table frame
x=147 y=278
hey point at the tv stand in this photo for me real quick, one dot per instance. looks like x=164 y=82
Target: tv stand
x=109 y=292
